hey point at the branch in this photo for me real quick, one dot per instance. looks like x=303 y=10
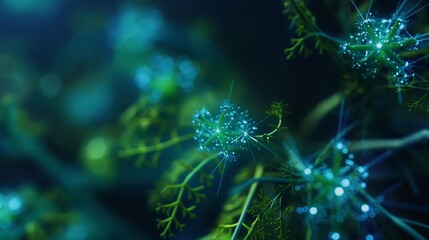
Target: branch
x=390 y=143
x=172 y=208
x=258 y=173
x=156 y=147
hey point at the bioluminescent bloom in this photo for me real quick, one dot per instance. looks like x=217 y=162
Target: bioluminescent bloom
x=229 y=130
x=333 y=187
x=380 y=44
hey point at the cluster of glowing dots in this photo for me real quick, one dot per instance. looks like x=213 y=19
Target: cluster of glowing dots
x=337 y=236
x=229 y=130
x=339 y=191
x=338 y=188
x=379 y=44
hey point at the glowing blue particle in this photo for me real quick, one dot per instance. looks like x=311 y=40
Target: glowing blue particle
x=349 y=162
x=364 y=208
x=339 y=145
x=379 y=45
x=335 y=236
x=363 y=185
x=345 y=183
x=369 y=237
x=313 y=210
x=339 y=191
x=329 y=175
x=15 y=203
x=307 y=171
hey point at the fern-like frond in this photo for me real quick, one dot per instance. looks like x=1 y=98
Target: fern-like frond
x=306 y=28
x=150 y=129
x=155 y=148
x=270 y=208
x=172 y=209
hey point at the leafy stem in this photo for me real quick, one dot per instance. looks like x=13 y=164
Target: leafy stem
x=306 y=27
x=390 y=143
x=258 y=173
x=172 y=208
x=156 y=147
x=276 y=110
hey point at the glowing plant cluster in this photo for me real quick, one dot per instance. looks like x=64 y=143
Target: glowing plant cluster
x=163 y=75
x=333 y=191
x=226 y=132
x=379 y=45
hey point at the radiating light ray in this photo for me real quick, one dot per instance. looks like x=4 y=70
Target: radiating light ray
x=221 y=178
x=380 y=158
x=410 y=12
x=251 y=152
x=410 y=179
x=358 y=11
x=381 y=197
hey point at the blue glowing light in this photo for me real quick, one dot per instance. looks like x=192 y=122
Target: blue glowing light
x=335 y=236
x=339 y=191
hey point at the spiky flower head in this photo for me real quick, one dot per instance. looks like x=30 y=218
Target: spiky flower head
x=224 y=132
x=379 y=45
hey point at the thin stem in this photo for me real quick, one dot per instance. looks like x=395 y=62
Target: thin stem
x=390 y=143
x=415 y=223
x=320 y=111
x=276 y=129
x=258 y=173
x=170 y=219
x=156 y=147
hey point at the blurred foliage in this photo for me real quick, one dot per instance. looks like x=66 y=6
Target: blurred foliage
x=28 y=214
x=116 y=121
